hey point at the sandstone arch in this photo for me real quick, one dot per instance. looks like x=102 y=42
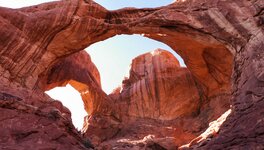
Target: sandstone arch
x=103 y=24
x=197 y=28
x=182 y=31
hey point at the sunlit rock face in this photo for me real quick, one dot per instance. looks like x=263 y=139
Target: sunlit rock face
x=208 y=34
x=157 y=82
x=161 y=99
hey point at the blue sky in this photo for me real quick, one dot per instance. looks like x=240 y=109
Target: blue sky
x=109 y=4
x=112 y=56
x=117 y=4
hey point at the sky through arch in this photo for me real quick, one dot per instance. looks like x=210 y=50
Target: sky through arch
x=118 y=4
x=113 y=56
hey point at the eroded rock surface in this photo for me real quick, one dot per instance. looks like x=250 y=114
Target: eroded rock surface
x=80 y=72
x=157 y=82
x=155 y=101
x=206 y=33
x=45 y=125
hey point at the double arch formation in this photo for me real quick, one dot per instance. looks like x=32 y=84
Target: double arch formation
x=208 y=36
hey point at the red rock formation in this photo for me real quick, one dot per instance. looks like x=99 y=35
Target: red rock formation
x=44 y=125
x=155 y=100
x=206 y=33
x=159 y=88
x=79 y=71
x=80 y=30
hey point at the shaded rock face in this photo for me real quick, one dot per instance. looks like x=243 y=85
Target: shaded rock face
x=44 y=125
x=206 y=33
x=79 y=71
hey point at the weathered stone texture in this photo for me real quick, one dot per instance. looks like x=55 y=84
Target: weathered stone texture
x=212 y=36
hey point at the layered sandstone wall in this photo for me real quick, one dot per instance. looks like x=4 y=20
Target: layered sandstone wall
x=158 y=88
x=160 y=98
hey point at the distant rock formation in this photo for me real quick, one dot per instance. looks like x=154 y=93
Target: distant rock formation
x=159 y=88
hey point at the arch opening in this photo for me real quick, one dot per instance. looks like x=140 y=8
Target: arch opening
x=116 y=47
x=211 y=74
x=207 y=99
x=114 y=56
x=70 y=98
